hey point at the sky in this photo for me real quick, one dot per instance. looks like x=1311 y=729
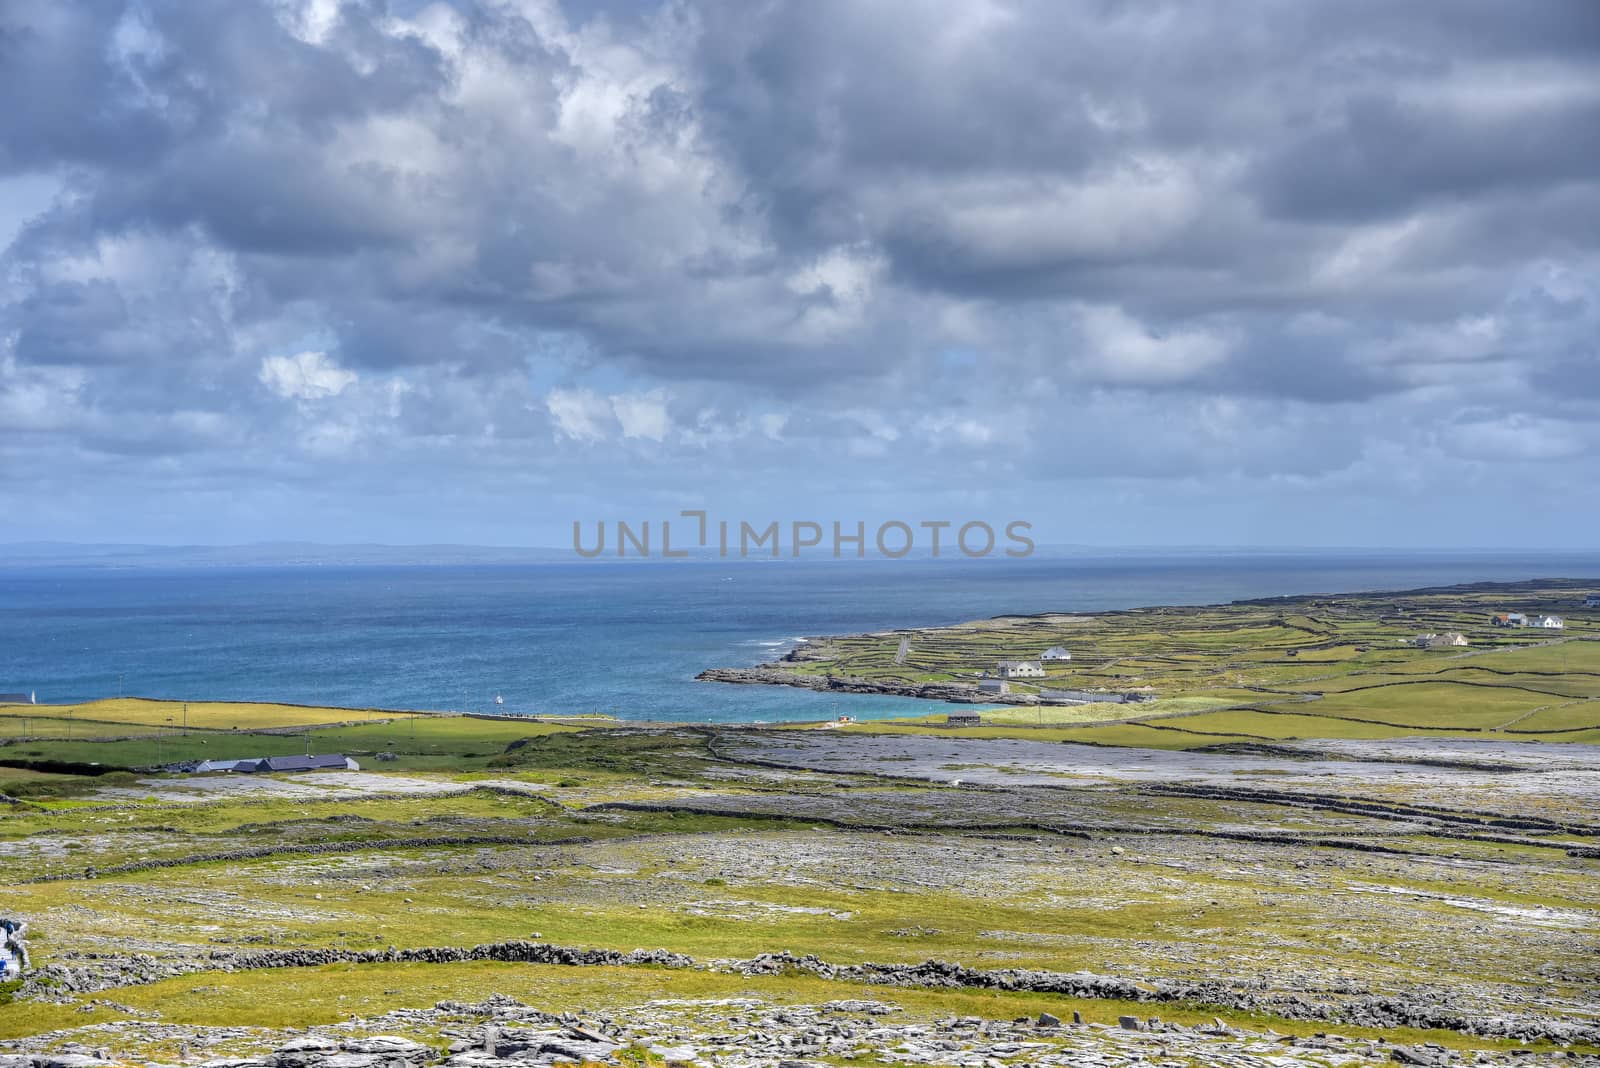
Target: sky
x=1295 y=272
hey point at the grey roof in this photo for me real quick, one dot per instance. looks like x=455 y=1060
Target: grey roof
x=305 y=763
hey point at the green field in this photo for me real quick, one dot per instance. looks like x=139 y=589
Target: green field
x=197 y=715
x=87 y=748
x=474 y=863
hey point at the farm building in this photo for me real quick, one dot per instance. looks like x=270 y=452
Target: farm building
x=1592 y=601
x=1076 y=697
x=324 y=762
x=994 y=687
x=1020 y=669
x=207 y=766
x=1510 y=619
x=963 y=719
x=1439 y=641
x=1055 y=652
x=321 y=762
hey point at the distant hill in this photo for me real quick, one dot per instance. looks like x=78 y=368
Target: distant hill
x=265 y=554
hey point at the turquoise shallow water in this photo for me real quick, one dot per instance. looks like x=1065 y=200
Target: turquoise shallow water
x=625 y=639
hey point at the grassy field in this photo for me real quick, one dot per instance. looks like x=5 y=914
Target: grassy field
x=81 y=751
x=197 y=715
x=522 y=838
x=1148 y=895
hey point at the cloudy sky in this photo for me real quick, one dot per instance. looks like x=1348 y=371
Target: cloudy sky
x=1201 y=272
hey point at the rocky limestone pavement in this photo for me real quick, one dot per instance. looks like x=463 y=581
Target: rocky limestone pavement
x=733 y=1033
x=62 y=982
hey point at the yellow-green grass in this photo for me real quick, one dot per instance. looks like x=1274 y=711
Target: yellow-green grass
x=1356 y=681
x=443 y=731
x=1437 y=705
x=1583 y=737
x=1574 y=684
x=303 y=997
x=1550 y=656
x=1176 y=732
x=274 y=814
x=24 y=778
x=437 y=743
x=1129 y=734
x=1139 y=735
x=1571 y=717
x=590 y=906
x=46 y=726
x=1251 y=723
x=1102 y=712
x=212 y=715
x=585 y=906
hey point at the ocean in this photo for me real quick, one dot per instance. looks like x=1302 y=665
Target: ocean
x=624 y=639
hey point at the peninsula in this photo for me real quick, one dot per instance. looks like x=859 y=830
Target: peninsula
x=1514 y=660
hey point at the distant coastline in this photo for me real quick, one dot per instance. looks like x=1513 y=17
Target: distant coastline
x=947 y=664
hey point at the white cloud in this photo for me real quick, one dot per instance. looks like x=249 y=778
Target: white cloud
x=963 y=429
x=1122 y=350
x=642 y=415
x=582 y=414
x=305 y=376
x=579 y=414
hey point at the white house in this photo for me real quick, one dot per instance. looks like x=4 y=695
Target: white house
x=1055 y=652
x=1439 y=641
x=1547 y=622
x=1020 y=669
x=1592 y=601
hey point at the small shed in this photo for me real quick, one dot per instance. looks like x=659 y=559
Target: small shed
x=963 y=719
x=994 y=687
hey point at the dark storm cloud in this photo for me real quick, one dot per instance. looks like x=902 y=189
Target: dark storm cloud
x=1379 y=158
x=303 y=230
x=67 y=100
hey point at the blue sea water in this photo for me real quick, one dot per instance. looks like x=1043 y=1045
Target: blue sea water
x=624 y=639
